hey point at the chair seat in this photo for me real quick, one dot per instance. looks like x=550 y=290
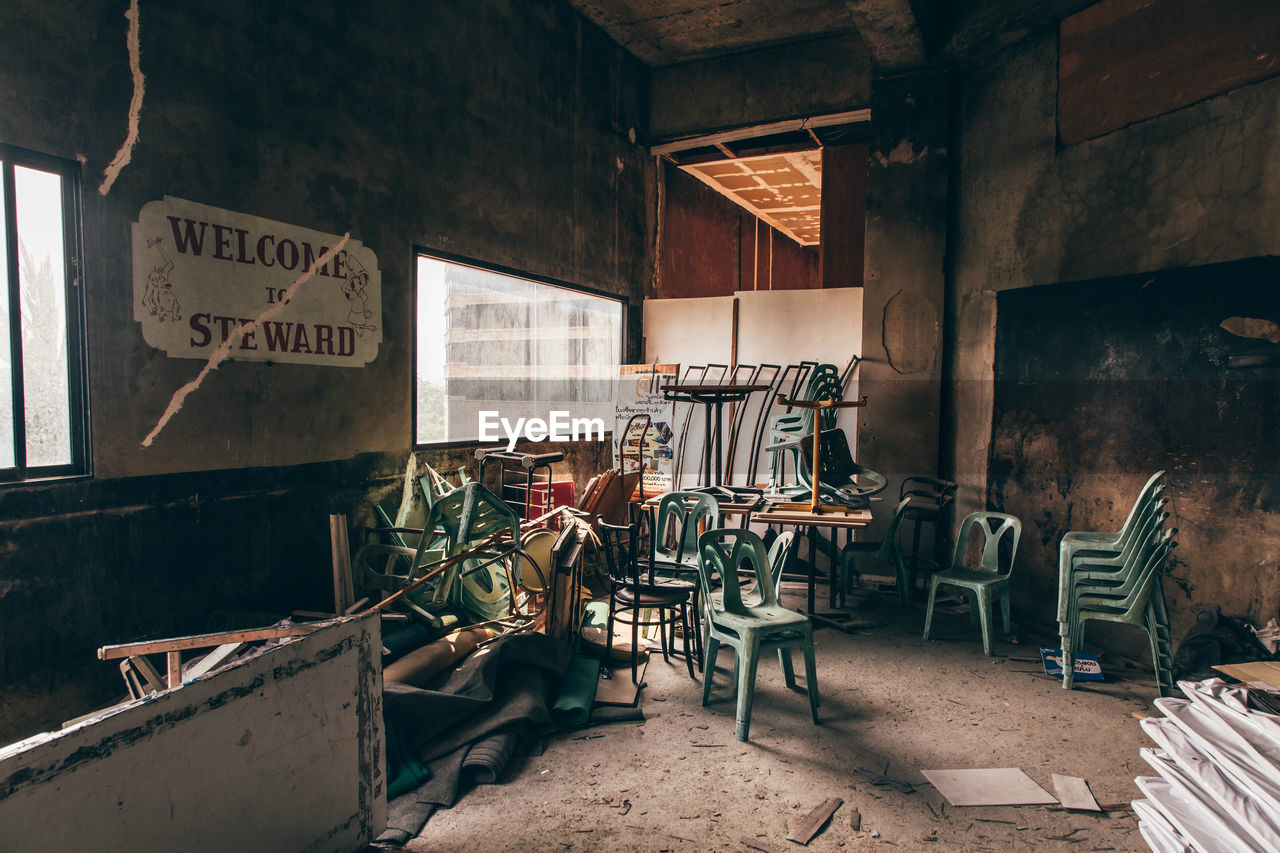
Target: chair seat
x=969 y=577
x=647 y=597
x=778 y=619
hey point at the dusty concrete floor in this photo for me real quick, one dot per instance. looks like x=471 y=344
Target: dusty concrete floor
x=681 y=782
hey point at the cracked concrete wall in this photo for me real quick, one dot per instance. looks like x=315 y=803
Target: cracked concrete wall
x=1194 y=187
x=903 y=297
x=497 y=130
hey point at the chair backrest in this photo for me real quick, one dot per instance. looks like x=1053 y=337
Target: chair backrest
x=1151 y=491
x=723 y=554
x=779 y=553
x=1143 y=581
x=941 y=491
x=839 y=471
x=619 y=544
x=824 y=383
x=996 y=527
x=889 y=544
x=683 y=513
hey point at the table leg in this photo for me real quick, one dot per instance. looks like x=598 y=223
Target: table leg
x=825 y=620
x=706 y=448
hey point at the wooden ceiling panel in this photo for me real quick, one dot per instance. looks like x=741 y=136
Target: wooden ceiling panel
x=784 y=190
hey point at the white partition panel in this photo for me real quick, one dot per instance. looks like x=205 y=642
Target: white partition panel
x=777 y=327
x=283 y=751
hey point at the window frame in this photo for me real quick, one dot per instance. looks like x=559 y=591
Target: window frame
x=76 y=333
x=463 y=260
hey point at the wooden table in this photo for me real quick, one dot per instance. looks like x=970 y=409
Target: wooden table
x=712 y=397
x=843 y=519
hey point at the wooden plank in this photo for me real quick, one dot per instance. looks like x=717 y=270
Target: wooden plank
x=343 y=594
x=213 y=660
x=1122 y=61
x=204 y=641
x=711 y=139
x=815 y=820
x=842 y=249
x=174 y=661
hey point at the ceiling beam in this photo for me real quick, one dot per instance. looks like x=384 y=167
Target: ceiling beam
x=984 y=28
x=727 y=136
x=890 y=31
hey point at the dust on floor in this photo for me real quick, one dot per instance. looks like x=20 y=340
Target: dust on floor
x=892 y=704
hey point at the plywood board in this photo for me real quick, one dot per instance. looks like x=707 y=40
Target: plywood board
x=282 y=751
x=1073 y=793
x=994 y=786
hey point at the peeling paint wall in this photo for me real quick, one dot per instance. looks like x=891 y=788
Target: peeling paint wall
x=1194 y=187
x=497 y=130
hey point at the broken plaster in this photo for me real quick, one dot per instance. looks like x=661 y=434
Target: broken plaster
x=125 y=154
x=224 y=351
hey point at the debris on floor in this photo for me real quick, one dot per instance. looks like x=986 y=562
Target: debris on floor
x=814 y=821
x=881 y=780
x=1087 y=667
x=997 y=786
x=1073 y=793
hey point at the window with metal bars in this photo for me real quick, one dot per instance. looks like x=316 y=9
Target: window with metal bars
x=43 y=398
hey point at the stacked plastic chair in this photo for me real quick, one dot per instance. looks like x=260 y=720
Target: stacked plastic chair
x=1116 y=577
x=841 y=480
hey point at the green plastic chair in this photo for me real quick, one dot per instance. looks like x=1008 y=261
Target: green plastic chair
x=886 y=549
x=1093 y=545
x=673 y=545
x=785 y=430
x=674 y=537
x=989 y=578
x=1142 y=605
x=748 y=629
x=841 y=480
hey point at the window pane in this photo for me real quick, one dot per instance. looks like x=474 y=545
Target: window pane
x=494 y=342
x=6 y=372
x=46 y=382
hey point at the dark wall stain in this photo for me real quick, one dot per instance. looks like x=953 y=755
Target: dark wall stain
x=1101 y=383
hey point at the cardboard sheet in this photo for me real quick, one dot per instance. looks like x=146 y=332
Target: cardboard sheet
x=1266 y=672
x=997 y=786
x=1073 y=792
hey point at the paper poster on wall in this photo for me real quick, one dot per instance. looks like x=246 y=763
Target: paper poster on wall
x=638 y=394
x=200 y=271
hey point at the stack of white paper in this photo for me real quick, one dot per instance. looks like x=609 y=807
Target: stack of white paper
x=1219 y=766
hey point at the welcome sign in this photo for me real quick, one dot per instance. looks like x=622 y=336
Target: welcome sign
x=200 y=271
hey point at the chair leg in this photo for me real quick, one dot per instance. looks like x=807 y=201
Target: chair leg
x=690 y=642
x=748 y=656
x=928 y=613
x=811 y=675
x=788 y=670
x=915 y=549
x=635 y=643
x=608 y=640
x=713 y=648
x=1004 y=609
x=986 y=617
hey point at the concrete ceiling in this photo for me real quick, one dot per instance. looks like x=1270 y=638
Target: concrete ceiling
x=900 y=34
